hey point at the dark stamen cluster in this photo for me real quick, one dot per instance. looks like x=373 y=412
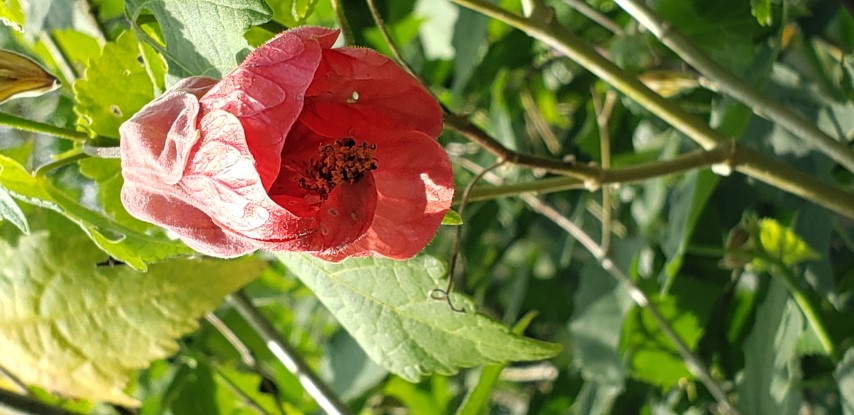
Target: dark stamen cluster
x=343 y=161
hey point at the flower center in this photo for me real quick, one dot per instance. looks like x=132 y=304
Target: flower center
x=343 y=161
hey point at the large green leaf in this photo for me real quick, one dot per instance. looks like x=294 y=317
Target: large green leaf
x=845 y=379
x=203 y=37
x=770 y=359
x=125 y=244
x=116 y=85
x=73 y=327
x=386 y=307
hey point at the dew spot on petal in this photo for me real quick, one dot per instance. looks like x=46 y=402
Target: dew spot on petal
x=354 y=98
x=332 y=212
x=354 y=215
x=324 y=231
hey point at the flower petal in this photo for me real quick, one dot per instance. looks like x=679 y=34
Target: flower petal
x=223 y=182
x=156 y=142
x=415 y=187
x=389 y=100
x=266 y=93
x=192 y=225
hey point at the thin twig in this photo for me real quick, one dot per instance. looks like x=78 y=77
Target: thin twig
x=280 y=348
x=245 y=353
x=24 y=124
x=446 y=294
x=346 y=31
x=378 y=20
x=694 y=364
x=730 y=84
x=755 y=164
x=582 y=7
x=603 y=115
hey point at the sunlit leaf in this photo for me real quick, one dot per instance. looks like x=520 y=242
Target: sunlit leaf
x=761 y=10
x=116 y=85
x=452 y=219
x=127 y=245
x=845 y=379
x=10 y=18
x=73 y=327
x=203 y=37
x=292 y=13
x=783 y=244
x=386 y=306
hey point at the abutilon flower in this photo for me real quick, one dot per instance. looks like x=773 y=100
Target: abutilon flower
x=301 y=148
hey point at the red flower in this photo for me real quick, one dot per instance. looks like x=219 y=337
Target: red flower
x=301 y=148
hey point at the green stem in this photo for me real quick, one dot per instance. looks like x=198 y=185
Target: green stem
x=45 y=168
x=753 y=164
x=24 y=124
x=346 y=31
x=735 y=87
x=280 y=348
x=10 y=401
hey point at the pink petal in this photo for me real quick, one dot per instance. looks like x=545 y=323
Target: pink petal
x=222 y=180
x=415 y=187
x=192 y=225
x=389 y=100
x=266 y=93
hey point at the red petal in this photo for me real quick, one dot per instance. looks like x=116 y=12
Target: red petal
x=389 y=100
x=345 y=216
x=415 y=187
x=266 y=93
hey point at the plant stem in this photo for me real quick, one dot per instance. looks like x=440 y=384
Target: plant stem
x=753 y=164
x=343 y=23
x=17 y=404
x=280 y=348
x=45 y=168
x=724 y=154
x=735 y=87
x=24 y=124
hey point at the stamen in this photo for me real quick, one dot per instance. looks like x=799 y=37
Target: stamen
x=343 y=161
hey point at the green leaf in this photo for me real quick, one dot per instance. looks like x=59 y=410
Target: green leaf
x=770 y=377
x=601 y=305
x=386 y=307
x=688 y=201
x=10 y=17
x=761 y=10
x=203 y=37
x=782 y=244
x=116 y=85
x=452 y=219
x=844 y=375
x=292 y=13
x=10 y=211
x=75 y=328
x=107 y=173
x=125 y=244
x=477 y=399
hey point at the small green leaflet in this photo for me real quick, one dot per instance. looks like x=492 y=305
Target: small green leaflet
x=386 y=307
x=72 y=327
x=782 y=244
x=292 y=13
x=761 y=10
x=452 y=219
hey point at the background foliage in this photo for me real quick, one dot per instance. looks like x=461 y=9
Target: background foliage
x=758 y=284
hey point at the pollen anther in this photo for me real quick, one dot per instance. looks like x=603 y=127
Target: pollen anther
x=343 y=161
